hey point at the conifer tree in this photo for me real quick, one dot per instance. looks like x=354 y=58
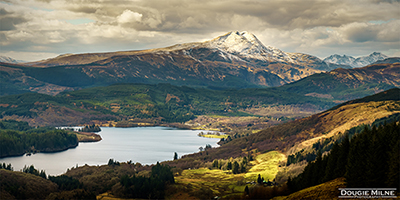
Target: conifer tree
x=357 y=161
x=235 y=169
x=392 y=174
x=331 y=163
x=229 y=166
x=340 y=168
x=259 y=179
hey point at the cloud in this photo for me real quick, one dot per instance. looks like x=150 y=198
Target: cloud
x=8 y=20
x=318 y=27
x=128 y=17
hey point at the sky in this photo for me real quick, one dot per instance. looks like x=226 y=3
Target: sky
x=32 y=30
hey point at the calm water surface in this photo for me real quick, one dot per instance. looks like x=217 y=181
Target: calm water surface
x=146 y=145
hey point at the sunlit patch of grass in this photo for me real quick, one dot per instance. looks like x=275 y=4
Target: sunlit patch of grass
x=267 y=165
x=224 y=183
x=219 y=181
x=214 y=136
x=108 y=196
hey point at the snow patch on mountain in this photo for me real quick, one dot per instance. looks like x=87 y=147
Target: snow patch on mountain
x=6 y=59
x=355 y=62
x=246 y=47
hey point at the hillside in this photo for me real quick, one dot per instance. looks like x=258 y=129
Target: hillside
x=292 y=137
x=234 y=60
x=346 y=84
x=19 y=185
x=161 y=103
x=15 y=80
x=328 y=190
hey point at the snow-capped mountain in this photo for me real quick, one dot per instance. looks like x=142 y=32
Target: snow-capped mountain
x=235 y=59
x=366 y=60
x=355 y=62
x=245 y=46
x=6 y=59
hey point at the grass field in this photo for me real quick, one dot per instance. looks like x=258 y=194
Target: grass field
x=224 y=183
x=267 y=165
x=219 y=181
x=214 y=136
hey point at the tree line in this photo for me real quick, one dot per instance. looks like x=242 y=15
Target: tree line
x=91 y=128
x=152 y=187
x=25 y=139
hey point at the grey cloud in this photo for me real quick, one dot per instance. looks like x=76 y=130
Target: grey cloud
x=386 y=1
x=285 y=15
x=296 y=24
x=362 y=35
x=367 y=32
x=209 y=16
x=3 y=12
x=86 y=9
x=46 y=1
x=8 y=20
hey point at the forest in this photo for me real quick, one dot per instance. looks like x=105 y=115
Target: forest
x=368 y=159
x=152 y=187
x=164 y=103
x=127 y=185
x=18 y=138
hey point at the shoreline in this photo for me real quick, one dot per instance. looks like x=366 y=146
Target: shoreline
x=87 y=136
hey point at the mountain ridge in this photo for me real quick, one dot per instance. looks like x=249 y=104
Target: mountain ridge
x=7 y=59
x=355 y=62
x=347 y=84
x=233 y=60
x=231 y=54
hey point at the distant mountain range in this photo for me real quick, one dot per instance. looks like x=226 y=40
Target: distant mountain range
x=6 y=59
x=166 y=102
x=233 y=60
x=347 y=84
x=355 y=62
x=236 y=59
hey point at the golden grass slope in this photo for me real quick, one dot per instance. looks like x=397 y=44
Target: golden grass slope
x=347 y=116
x=267 y=165
x=224 y=183
x=328 y=190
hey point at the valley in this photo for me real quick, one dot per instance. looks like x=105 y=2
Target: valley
x=278 y=117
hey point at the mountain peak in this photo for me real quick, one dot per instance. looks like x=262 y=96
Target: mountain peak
x=377 y=53
x=236 y=42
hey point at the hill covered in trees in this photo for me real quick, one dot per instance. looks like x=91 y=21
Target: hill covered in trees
x=18 y=138
x=161 y=103
x=294 y=136
x=369 y=159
